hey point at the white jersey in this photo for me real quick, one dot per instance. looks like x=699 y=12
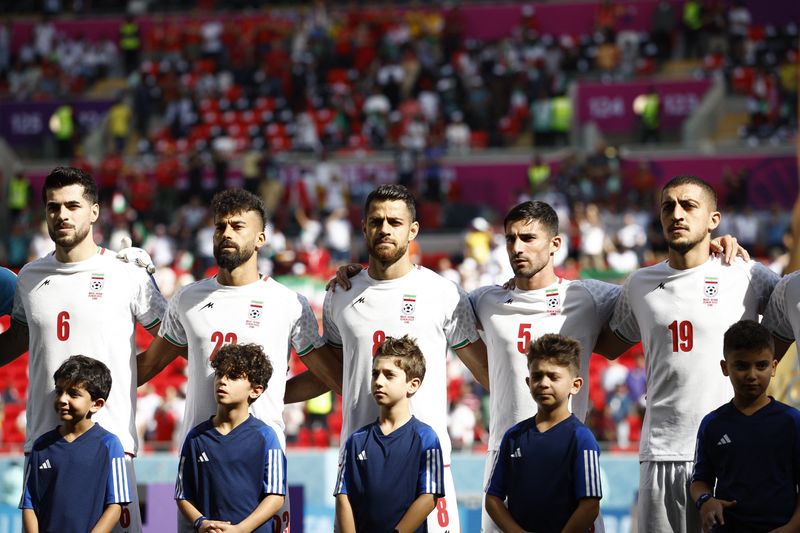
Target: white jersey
x=782 y=316
x=206 y=315
x=681 y=317
x=512 y=319
x=422 y=304
x=87 y=308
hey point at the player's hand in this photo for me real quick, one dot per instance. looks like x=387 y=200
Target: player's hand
x=510 y=285
x=227 y=527
x=729 y=247
x=136 y=256
x=212 y=526
x=711 y=513
x=343 y=275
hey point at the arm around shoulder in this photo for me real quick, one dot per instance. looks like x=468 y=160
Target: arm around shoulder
x=610 y=345
x=13 y=342
x=474 y=357
x=158 y=355
x=327 y=365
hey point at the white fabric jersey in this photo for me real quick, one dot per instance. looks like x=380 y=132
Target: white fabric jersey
x=782 y=316
x=681 y=316
x=87 y=308
x=512 y=319
x=422 y=304
x=206 y=315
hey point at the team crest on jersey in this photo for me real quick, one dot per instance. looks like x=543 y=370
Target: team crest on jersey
x=710 y=291
x=96 y=285
x=553 y=301
x=254 y=313
x=408 y=307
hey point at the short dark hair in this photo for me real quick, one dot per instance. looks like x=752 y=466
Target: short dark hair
x=61 y=177
x=392 y=192
x=563 y=350
x=86 y=373
x=233 y=201
x=535 y=211
x=406 y=354
x=747 y=335
x=677 y=181
x=246 y=361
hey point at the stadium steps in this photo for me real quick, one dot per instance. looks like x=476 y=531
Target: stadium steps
x=735 y=116
x=107 y=89
x=679 y=68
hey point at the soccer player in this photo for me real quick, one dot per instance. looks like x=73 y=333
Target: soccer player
x=232 y=473
x=8 y=286
x=81 y=299
x=680 y=310
x=391 y=474
x=392 y=298
x=75 y=478
x=541 y=303
x=238 y=305
x=548 y=467
x=747 y=463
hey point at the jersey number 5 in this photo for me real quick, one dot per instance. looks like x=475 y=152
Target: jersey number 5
x=219 y=339
x=682 y=336
x=524 y=337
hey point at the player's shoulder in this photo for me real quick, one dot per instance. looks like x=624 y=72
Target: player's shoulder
x=580 y=430
x=200 y=429
x=7 y=276
x=425 y=432
x=108 y=439
x=520 y=428
x=428 y=276
x=488 y=293
x=718 y=415
x=359 y=436
x=33 y=268
x=789 y=281
x=46 y=440
x=786 y=410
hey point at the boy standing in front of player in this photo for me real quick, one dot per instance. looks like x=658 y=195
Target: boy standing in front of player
x=392 y=472
x=547 y=474
x=77 y=451
x=747 y=463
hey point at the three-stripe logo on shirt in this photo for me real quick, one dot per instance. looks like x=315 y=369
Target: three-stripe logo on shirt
x=362 y=455
x=45 y=465
x=433 y=472
x=591 y=469
x=275 y=473
x=203 y=458
x=119 y=479
x=724 y=440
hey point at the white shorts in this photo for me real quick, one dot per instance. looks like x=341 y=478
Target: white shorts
x=280 y=520
x=664 y=501
x=130 y=521
x=487 y=524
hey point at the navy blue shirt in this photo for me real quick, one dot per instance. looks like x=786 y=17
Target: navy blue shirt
x=8 y=286
x=227 y=476
x=382 y=475
x=754 y=460
x=69 y=484
x=544 y=475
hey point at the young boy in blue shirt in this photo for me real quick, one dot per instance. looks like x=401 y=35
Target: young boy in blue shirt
x=547 y=474
x=75 y=478
x=747 y=462
x=232 y=473
x=392 y=472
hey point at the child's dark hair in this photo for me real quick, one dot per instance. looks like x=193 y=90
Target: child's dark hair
x=406 y=355
x=61 y=177
x=563 y=350
x=747 y=335
x=243 y=361
x=392 y=192
x=233 y=201
x=86 y=373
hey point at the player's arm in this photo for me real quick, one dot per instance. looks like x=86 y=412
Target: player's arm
x=190 y=512
x=108 y=519
x=342 y=277
x=158 y=355
x=713 y=510
x=793 y=524
x=30 y=524
x=326 y=363
x=303 y=387
x=13 y=342
x=268 y=507
x=610 y=345
x=781 y=346
x=475 y=359
x=501 y=515
x=344 y=514
x=416 y=514
x=583 y=517
x=728 y=246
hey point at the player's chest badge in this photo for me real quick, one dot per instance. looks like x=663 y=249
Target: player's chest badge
x=553 y=300
x=96 y=284
x=710 y=291
x=408 y=308
x=254 y=313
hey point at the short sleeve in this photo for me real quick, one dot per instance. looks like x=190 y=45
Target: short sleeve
x=305 y=333
x=763 y=281
x=186 y=484
x=776 y=315
x=274 y=464
x=498 y=481
x=28 y=483
x=587 y=465
x=623 y=323
x=329 y=329
x=118 y=489
x=341 y=482
x=703 y=469
x=605 y=296
x=8 y=288
x=171 y=327
x=18 y=308
x=149 y=304
x=460 y=327
x=475 y=297
x=431 y=466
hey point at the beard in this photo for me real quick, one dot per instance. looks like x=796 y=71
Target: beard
x=527 y=271
x=683 y=246
x=384 y=256
x=69 y=241
x=229 y=260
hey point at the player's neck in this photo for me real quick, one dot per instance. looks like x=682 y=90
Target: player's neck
x=541 y=280
x=242 y=275
x=229 y=417
x=695 y=257
x=71 y=431
x=396 y=270
x=547 y=418
x=394 y=417
x=80 y=252
x=749 y=406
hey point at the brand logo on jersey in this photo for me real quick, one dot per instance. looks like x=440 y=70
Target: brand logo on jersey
x=254 y=313
x=45 y=465
x=724 y=440
x=408 y=307
x=203 y=458
x=659 y=286
x=516 y=454
x=710 y=291
x=96 y=284
x=509 y=301
x=209 y=305
x=553 y=301
x=362 y=455
x=360 y=300
x=42 y=284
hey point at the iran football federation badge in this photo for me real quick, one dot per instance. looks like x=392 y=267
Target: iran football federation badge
x=710 y=291
x=254 y=313
x=408 y=308
x=553 y=301
x=96 y=285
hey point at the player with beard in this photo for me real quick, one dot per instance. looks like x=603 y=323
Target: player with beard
x=238 y=305
x=680 y=310
x=81 y=299
x=392 y=298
